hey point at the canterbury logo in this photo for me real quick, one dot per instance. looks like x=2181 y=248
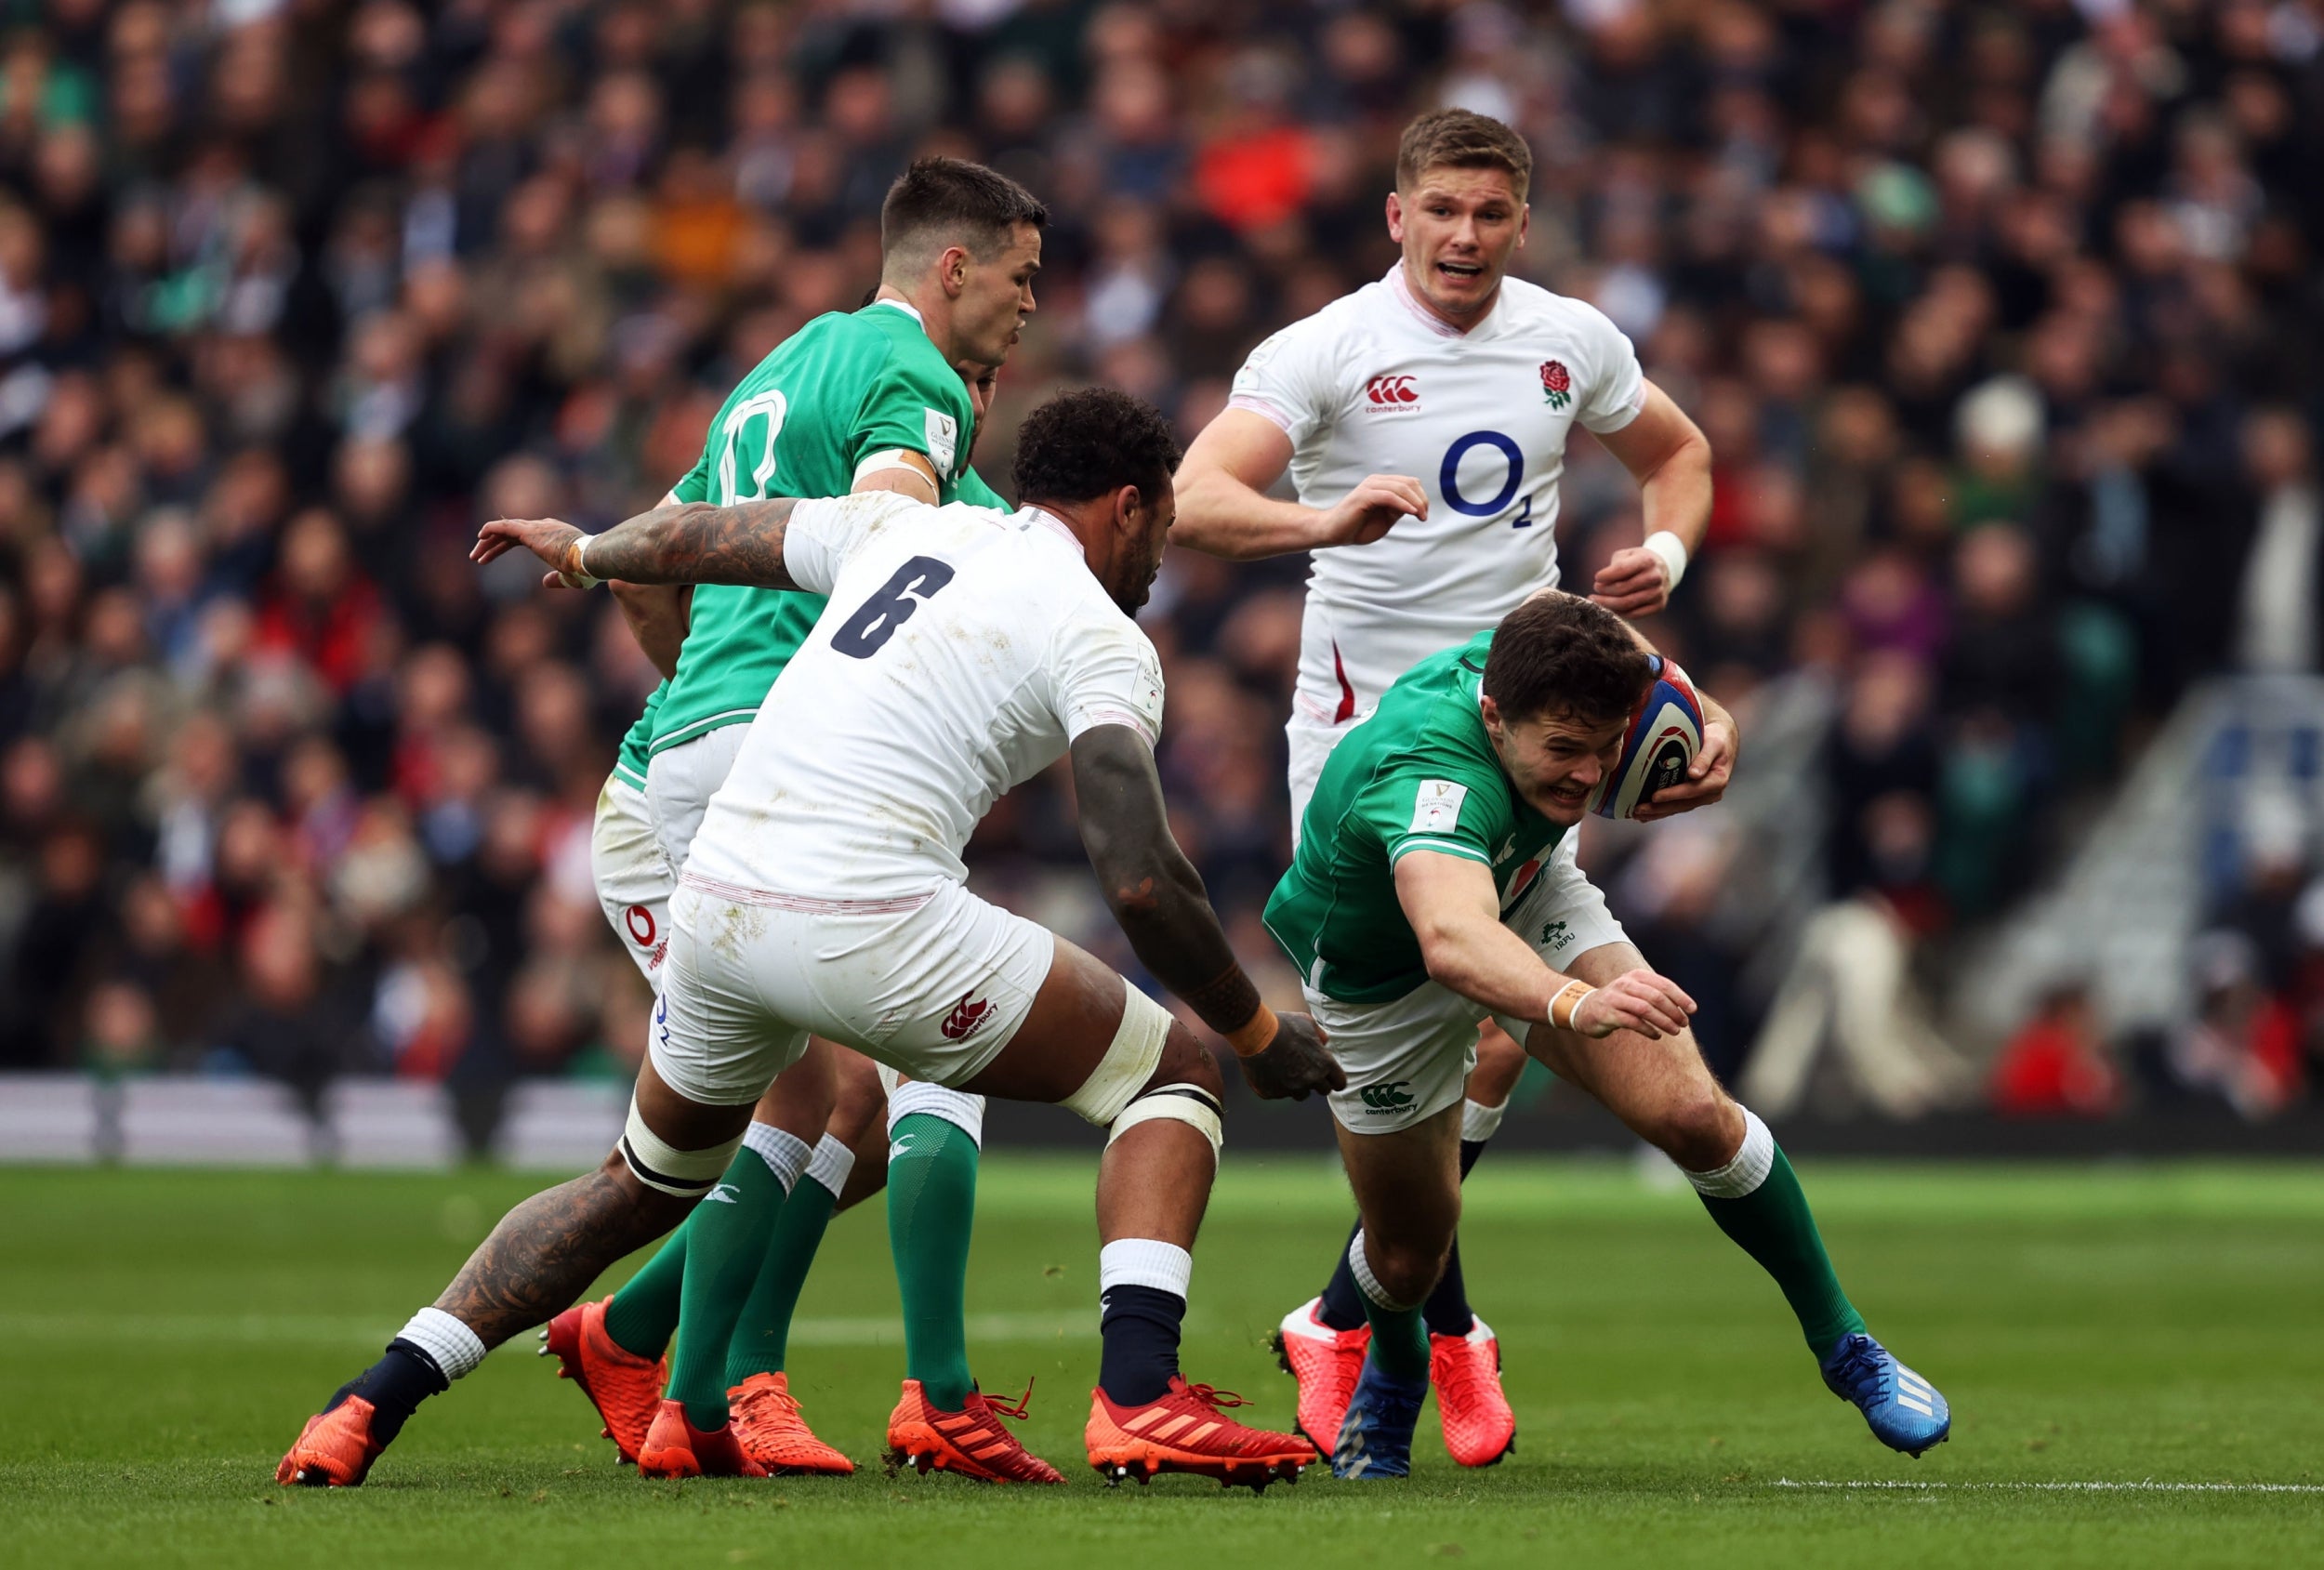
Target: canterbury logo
x=1391 y=390
x=1394 y=1096
x=965 y=1018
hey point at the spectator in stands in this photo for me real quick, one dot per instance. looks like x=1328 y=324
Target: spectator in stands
x=2057 y=1064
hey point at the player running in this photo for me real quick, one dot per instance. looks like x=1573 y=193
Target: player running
x=963 y=650
x=1438 y=400
x=1427 y=892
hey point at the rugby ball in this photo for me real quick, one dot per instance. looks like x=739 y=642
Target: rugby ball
x=1666 y=731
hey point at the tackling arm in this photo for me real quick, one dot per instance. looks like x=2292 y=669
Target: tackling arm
x=1222 y=509
x=1157 y=897
x=688 y=542
x=657 y=614
x=1455 y=912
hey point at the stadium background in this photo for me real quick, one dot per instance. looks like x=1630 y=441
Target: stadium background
x=2001 y=322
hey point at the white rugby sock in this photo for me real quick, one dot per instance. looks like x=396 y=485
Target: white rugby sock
x=1479 y=1122
x=831 y=1164
x=452 y=1346
x=1746 y=1171
x=1145 y=1261
x=786 y=1155
x=919 y=1098
x=1368 y=1283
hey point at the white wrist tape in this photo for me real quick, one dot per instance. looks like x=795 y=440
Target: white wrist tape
x=581 y=559
x=1668 y=549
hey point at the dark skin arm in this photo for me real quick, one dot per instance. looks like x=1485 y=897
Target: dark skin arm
x=685 y=543
x=1157 y=897
x=657 y=614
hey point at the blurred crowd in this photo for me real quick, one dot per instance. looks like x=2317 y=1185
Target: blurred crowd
x=2000 y=320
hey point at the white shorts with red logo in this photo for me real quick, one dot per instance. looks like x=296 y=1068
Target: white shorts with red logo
x=634 y=881
x=933 y=987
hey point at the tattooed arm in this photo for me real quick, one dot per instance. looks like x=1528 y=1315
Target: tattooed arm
x=1157 y=897
x=685 y=543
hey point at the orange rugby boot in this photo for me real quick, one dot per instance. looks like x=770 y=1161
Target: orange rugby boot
x=626 y=1388
x=674 y=1447
x=773 y=1434
x=1188 y=1431
x=970 y=1442
x=1466 y=1370
x=1326 y=1363
x=335 y=1449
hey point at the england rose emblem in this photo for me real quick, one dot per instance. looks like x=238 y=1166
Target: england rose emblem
x=1556 y=383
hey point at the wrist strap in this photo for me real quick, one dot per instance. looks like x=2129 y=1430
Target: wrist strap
x=576 y=563
x=1251 y=1038
x=1566 y=1001
x=1670 y=551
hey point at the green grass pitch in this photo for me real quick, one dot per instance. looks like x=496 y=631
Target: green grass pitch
x=164 y=1334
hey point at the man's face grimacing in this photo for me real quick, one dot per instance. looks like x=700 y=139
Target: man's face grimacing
x=995 y=296
x=1555 y=761
x=1458 y=229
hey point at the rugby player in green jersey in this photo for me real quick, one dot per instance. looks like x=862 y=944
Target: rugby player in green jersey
x=1425 y=895
x=872 y=400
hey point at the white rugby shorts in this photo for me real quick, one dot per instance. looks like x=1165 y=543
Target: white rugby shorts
x=633 y=877
x=1310 y=741
x=1408 y=1059
x=934 y=986
x=680 y=782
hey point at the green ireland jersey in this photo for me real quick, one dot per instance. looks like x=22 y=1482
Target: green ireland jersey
x=839 y=389
x=1420 y=774
x=630 y=762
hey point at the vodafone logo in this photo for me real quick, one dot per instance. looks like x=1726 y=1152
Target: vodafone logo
x=639 y=921
x=1389 y=393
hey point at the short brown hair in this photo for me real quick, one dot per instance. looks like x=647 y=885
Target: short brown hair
x=1462 y=138
x=953 y=202
x=1561 y=654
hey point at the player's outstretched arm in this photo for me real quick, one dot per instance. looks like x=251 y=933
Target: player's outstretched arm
x=1157 y=897
x=687 y=543
x=1455 y=912
x=1222 y=508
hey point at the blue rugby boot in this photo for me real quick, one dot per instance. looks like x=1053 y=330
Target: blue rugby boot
x=1375 y=1436
x=1904 y=1410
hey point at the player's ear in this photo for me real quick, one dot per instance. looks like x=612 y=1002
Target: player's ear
x=1396 y=217
x=953 y=270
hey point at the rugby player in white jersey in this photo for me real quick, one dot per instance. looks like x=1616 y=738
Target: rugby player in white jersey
x=1422 y=420
x=963 y=649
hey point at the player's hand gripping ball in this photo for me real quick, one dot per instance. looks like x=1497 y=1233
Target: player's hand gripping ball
x=1666 y=731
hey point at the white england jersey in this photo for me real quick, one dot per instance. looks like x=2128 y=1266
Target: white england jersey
x=962 y=650
x=1374 y=384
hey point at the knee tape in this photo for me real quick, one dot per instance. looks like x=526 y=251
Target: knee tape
x=1128 y=1063
x=1185 y=1104
x=687 y=1174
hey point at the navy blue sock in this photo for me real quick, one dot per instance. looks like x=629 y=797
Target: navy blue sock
x=394 y=1385
x=1141 y=1328
x=1447 y=1307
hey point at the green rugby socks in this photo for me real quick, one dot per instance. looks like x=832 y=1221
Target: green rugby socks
x=1757 y=1201
x=728 y=1234
x=1399 y=1332
x=931 y=1210
x=763 y=1334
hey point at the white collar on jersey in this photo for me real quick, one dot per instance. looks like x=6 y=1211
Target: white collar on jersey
x=1055 y=525
x=1402 y=288
x=906 y=307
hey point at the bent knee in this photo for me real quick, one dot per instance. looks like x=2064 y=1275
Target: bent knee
x=1406 y=1272
x=1184 y=1060
x=1700 y=1131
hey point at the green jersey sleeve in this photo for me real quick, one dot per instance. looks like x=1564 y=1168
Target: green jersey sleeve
x=695 y=486
x=971 y=489
x=917 y=404
x=1432 y=806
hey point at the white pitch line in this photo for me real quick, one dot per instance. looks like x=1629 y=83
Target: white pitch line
x=2147 y=1485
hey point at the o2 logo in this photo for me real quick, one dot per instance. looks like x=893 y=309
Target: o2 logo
x=1448 y=479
